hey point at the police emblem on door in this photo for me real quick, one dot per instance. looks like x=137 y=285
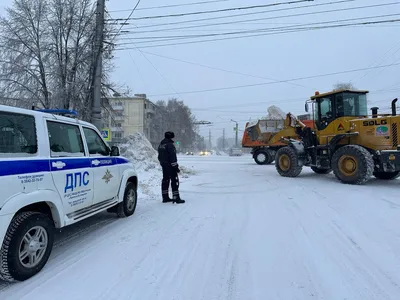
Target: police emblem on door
x=107 y=177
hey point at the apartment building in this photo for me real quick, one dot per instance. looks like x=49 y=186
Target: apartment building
x=131 y=115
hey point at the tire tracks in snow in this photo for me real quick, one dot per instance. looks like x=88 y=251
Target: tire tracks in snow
x=348 y=258
x=79 y=251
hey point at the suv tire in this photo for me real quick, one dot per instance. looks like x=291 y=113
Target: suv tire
x=27 y=246
x=128 y=205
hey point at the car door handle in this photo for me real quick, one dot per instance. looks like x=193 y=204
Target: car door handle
x=95 y=162
x=58 y=164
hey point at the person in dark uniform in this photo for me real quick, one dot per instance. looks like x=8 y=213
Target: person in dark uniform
x=170 y=168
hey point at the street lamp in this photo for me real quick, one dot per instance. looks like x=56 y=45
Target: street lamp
x=236 y=129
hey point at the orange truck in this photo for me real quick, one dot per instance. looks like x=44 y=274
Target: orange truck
x=264 y=136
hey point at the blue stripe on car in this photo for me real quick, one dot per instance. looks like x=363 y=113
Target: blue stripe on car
x=18 y=167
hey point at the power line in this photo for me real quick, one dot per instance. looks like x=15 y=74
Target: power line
x=381 y=61
x=171 y=5
x=159 y=73
x=218 y=69
x=376 y=61
x=160 y=39
x=284 y=101
x=280 y=81
x=132 y=11
x=265 y=34
x=137 y=68
x=247 y=14
x=213 y=11
x=268 y=18
x=217 y=109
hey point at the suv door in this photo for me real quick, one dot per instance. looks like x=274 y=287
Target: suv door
x=70 y=167
x=105 y=170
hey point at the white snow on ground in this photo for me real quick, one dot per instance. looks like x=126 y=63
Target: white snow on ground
x=245 y=233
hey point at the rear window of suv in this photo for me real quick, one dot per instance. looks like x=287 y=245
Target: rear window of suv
x=17 y=135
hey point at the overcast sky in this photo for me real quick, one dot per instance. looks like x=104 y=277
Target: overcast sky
x=261 y=59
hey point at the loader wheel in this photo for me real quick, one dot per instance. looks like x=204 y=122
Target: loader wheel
x=286 y=162
x=321 y=171
x=387 y=175
x=352 y=164
x=261 y=157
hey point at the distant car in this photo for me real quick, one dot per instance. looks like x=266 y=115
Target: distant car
x=235 y=152
x=205 y=152
x=189 y=153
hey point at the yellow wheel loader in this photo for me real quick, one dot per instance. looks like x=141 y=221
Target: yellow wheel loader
x=345 y=139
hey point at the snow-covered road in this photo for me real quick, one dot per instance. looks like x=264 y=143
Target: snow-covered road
x=245 y=233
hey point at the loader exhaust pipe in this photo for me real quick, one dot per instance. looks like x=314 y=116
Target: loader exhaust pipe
x=394 y=107
x=374 y=111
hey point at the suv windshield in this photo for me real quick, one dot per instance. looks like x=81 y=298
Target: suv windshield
x=17 y=135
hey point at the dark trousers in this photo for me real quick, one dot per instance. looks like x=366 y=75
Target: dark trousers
x=170 y=176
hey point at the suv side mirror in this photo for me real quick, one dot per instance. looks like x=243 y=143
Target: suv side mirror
x=114 y=151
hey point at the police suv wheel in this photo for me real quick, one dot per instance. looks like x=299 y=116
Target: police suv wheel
x=27 y=246
x=127 y=207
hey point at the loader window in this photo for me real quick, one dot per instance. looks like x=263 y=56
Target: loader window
x=323 y=112
x=351 y=105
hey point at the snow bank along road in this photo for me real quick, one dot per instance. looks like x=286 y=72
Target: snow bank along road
x=244 y=233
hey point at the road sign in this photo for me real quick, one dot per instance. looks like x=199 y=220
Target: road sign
x=106 y=133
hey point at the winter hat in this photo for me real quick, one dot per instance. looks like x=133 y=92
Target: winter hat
x=169 y=135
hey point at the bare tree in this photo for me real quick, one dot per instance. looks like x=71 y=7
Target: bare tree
x=343 y=86
x=25 y=51
x=175 y=116
x=47 y=54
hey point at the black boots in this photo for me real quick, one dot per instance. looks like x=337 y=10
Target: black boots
x=177 y=199
x=166 y=198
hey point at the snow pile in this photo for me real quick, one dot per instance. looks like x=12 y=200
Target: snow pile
x=275 y=113
x=140 y=152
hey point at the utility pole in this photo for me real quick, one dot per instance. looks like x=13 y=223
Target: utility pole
x=209 y=139
x=223 y=139
x=98 y=63
x=237 y=131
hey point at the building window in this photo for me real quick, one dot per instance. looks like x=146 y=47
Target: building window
x=114 y=124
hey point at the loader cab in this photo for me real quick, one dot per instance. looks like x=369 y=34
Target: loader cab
x=328 y=107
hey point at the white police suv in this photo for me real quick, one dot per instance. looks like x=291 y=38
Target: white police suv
x=54 y=171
